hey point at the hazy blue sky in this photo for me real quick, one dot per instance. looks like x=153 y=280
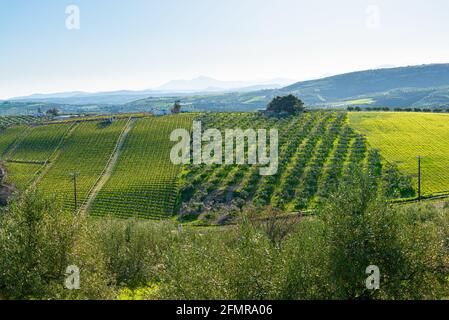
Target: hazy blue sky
x=137 y=44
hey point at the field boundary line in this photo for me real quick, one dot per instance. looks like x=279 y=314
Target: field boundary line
x=108 y=168
x=27 y=161
x=423 y=199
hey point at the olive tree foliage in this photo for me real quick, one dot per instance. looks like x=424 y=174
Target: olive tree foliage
x=133 y=250
x=362 y=230
x=323 y=257
x=53 y=112
x=289 y=104
x=274 y=223
x=39 y=240
x=408 y=246
x=237 y=264
x=267 y=255
x=176 y=107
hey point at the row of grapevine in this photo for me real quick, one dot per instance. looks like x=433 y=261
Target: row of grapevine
x=38 y=144
x=9 y=137
x=144 y=180
x=84 y=152
x=21 y=175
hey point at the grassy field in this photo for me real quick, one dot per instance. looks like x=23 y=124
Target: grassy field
x=359 y=101
x=402 y=137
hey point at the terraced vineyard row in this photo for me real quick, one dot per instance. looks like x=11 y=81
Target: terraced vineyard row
x=8 y=137
x=20 y=174
x=144 y=180
x=37 y=144
x=316 y=151
x=84 y=152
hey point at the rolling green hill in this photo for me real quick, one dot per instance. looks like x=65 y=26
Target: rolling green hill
x=123 y=167
x=425 y=86
x=371 y=82
x=417 y=86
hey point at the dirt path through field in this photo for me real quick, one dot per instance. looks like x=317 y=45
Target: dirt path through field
x=104 y=177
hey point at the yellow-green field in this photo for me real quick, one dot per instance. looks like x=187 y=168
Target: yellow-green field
x=359 y=101
x=402 y=136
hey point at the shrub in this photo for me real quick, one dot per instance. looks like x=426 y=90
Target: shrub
x=306 y=265
x=290 y=104
x=264 y=257
x=133 y=249
x=38 y=241
x=409 y=247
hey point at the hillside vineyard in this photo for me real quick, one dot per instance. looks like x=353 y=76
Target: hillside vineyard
x=123 y=167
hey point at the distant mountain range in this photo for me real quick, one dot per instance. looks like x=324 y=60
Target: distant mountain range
x=415 y=86
x=209 y=84
x=200 y=85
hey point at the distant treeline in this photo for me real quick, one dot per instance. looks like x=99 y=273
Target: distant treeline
x=398 y=109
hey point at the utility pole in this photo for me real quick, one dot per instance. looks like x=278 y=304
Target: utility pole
x=419 y=178
x=75 y=193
